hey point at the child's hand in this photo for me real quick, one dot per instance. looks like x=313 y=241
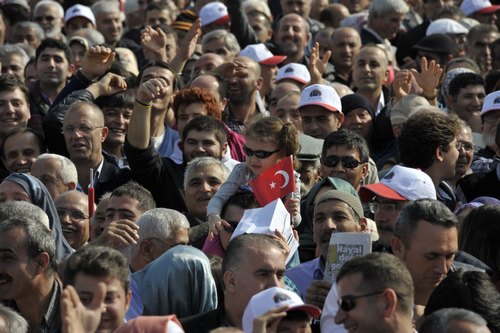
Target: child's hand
x=216 y=225
x=292 y=205
x=269 y=321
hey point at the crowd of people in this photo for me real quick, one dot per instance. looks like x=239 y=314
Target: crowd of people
x=133 y=135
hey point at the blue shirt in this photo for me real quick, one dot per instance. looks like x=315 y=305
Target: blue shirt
x=304 y=274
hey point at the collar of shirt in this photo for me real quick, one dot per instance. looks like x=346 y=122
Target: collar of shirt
x=376 y=35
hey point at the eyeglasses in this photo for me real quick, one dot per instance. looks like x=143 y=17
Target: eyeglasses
x=376 y=207
x=348 y=162
x=259 y=153
x=46 y=18
x=348 y=302
x=467 y=146
x=82 y=129
x=74 y=214
x=232 y=226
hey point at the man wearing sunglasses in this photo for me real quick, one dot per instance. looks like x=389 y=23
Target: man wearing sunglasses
x=335 y=211
x=374 y=293
x=386 y=199
x=345 y=155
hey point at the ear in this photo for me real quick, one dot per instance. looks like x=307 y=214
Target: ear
x=364 y=170
x=340 y=119
x=363 y=223
x=71 y=186
x=398 y=248
x=145 y=250
x=104 y=133
x=71 y=70
x=386 y=77
x=258 y=83
x=128 y=299
x=223 y=103
x=390 y=302
x=181 y=145
x=229 y=282
x=438 y=154
x=42 y=262
x=269 y=35
x=224 y=148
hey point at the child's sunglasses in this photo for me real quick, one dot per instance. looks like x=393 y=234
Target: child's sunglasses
x=259 y=153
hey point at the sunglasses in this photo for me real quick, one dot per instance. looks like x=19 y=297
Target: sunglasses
x=232 y=226
x=348 y=162
x=259 y=153
x=348 y=302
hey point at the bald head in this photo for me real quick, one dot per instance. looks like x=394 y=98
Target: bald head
x=333 y=14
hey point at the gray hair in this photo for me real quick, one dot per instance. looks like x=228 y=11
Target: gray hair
x=68 y=169
x=92 y=36
x=20 y=209
x=439 y=321
x=13 y=322
x=10 y=49
x=57 y=5
x=259 y=6
x=39 y=237
x=40 y=34
x=159 y=222
x=384 y=7
x=201 y=162
x=229 y=39
x=105 y=7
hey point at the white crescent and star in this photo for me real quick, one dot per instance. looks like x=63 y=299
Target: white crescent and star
x=285 y=175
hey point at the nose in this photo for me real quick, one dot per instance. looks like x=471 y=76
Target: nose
x=274 y=282
x=340 y=316
x=441 y=266
x=206 y=187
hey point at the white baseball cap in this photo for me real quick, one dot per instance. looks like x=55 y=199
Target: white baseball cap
x=79 y=11
x=321 y=95
x=491 y=102
x=446 y=26
x=295 y=72
x=401 y=184
x=260 y=54
x=214 y=12
x=469 y=7
x=272 y=298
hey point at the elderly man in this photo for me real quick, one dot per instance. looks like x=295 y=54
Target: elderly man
x=50 y=15
x=159 y=230
x=335 y=211
x=220 y=42
x=14 y=60
x=56 y=172
x=384 y=19
x=479 y=40
x=29 y=281
x=247 y=258
x=108 y=21
x=73 y=211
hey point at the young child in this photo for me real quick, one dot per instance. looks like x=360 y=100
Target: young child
x=268 y=141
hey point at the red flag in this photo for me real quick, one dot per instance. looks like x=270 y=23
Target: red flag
x=276 y=182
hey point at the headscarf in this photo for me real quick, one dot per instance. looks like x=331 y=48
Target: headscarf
x=356 y=101
x=40 y=197
x=152 y=324
x=179 y=281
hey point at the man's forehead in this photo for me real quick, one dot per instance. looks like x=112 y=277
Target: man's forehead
x=332 y=205
x=157 y=72
x=200 y=135
x=344 y=148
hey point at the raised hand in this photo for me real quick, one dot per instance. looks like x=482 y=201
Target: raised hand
x=151 y=90
x=154 y=42
x=76 y=318
x=317 y=66
x=401 y=84
x=269 y=321
x=118 y=235
x=317 y=292
x=108 y=85
x=97 y=61
x=429 y=76
x=187 y=46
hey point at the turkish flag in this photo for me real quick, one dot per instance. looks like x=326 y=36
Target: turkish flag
x=276 y=182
